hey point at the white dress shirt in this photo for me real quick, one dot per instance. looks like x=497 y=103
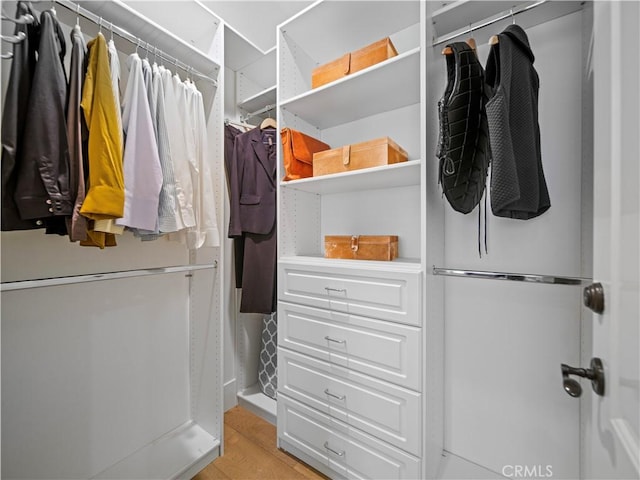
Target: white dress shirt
x=142 y=172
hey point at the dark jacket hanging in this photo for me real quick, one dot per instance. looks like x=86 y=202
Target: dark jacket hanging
x=230 y=134
x=463 y=147
x=518 y=186
x=42 y=190
x=253 y=213
x=23 y=65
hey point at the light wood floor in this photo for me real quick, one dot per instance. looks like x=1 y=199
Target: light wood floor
x=250 y=453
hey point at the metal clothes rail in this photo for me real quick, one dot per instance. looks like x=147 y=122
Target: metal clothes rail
x=511 y=13
x=265 y=109
x=518 y=277
x=95 y=277
x=138 y=42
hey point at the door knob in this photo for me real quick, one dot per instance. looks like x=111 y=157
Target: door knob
x=595 y=373
x=593 y=297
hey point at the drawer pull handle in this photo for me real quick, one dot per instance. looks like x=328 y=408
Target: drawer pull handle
x=338 y=397
x=339 y=453
x=338 y=290
x=329 y=339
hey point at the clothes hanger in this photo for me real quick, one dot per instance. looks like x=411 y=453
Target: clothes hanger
x=470 y=41
x=245 y=126
x=268 y=122
x=25 y=19
x=494 y=40
x=13 y=38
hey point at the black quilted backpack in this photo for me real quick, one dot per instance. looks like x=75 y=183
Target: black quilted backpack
x=463 y=146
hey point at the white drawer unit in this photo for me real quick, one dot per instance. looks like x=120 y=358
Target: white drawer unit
x=347 y=451
x=389 y=412
x=388 y=292
x=385 y=350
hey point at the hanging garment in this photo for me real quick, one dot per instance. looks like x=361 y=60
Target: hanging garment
x=13 y=117
x=42 y=188
x=109 y=225
x=114 y=70
x=168 y=202
x=77 y=135
x=463 y=146
x=147 y=77
x=518 y=186
x=206 y=232
x=253 y=213
x=230 y=134
x=105 y=197
x=179 y=155
x=142 y=173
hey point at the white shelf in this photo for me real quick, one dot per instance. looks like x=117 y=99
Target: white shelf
x=185 y=446
x=457 y=17
x=238 y=50
x=399 y=264
x=129 y=19
x=257 y=402
x=389 y=85
x=387 y=176
x=327 y=30
x=259 y=100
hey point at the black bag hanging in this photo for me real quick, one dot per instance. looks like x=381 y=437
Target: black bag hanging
x=463 y=146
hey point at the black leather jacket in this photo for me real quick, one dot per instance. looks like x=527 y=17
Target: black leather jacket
x=42 y=189
x=23 y=65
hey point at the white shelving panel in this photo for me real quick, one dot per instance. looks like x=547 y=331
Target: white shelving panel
x=385 y=99
x=239 y=51
x=327 y=30
x=187 y=449
x=145 y=27
x=387 y=176
x=253 y=399
x=259 y=100
x=119 y=378
x=361 y=94
x=459 y=16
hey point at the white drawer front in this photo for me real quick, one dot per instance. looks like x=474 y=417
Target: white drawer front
x=386 y=294
x=388 y=412
x=350 y=453
x=386 y=350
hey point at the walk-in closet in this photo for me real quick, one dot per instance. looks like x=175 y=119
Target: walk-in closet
x=498 y=343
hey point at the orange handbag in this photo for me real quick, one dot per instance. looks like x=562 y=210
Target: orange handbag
x=298 y=150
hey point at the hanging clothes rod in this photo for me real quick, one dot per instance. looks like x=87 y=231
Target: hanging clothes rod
x=95 y=277
x=518 y=277
x=138 y=42
x=268 y=108
x=511 y=13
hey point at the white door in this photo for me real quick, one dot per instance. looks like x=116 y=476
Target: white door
x=612 y=447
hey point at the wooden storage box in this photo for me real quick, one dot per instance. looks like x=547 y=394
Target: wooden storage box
x=353 y=62
x=361 y=247
x=373 y=153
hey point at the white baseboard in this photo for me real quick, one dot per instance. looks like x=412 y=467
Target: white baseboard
x=230 y=394
x=453 y=467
